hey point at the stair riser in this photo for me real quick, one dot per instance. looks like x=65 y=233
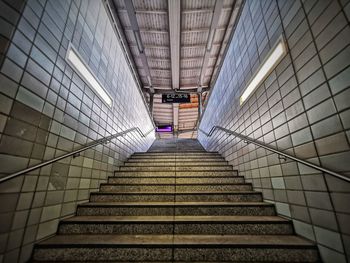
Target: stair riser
x=174 y=188
x=166 y=164
x=204 y=254
x=179 y=198
x=181 y=211
x=173 y=180
x=177 y=173
x=169 y=228
x=178 y=168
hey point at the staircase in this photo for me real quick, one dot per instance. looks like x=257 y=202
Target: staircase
x=176 y=207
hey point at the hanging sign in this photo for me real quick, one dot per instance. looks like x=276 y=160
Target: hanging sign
x=176 y=98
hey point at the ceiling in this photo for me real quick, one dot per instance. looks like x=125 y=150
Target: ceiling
x=176 y=46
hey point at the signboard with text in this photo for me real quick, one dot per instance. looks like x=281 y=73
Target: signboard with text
x=176 y=98
x=164 y=128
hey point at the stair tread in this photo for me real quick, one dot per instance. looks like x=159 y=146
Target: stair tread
x=176 y=204
x=199 y=165
x=178 y=152
x=133 y=175
x=176 y=184
x=179 y=192
x=176 y=177
x=177 y=240
x=171 y=159
x=174 y=163
x=116 y=219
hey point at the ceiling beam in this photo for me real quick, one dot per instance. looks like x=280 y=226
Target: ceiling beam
x=157 y=112
x=194 y=58
x=162 y=90
x=136 y=30
x=204 y=10
x=146 y=30
x=236 y=9
x=167 y=117
x=174 y=12
x=193 y=68
x=163 y=69
x=214 y=24
x=150 y=46
x=200 y=45
x=146 y=11
x=159 y=58
x=200 y=29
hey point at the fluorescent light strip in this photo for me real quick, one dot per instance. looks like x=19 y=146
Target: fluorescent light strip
x=85 y=72
x=138 y=41
x=272 y=60
x=210 y=39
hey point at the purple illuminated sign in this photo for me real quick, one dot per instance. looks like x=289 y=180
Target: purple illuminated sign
x=164 y=128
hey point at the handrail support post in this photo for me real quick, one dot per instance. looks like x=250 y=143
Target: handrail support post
x=281 y=157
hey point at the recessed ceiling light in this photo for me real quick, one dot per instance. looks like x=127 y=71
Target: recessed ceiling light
x=272 y=59
x=84 y=71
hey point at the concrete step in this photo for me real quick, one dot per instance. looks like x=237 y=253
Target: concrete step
x=162 y=225
x=176 y=180
x=176 y=208
x=171 y=248
x=164 y=188
x=178 y=168
x=176 y=173
x=177 y=163
x=176 y=156
x=187 y=153
x=177 y=159
x=242 y=196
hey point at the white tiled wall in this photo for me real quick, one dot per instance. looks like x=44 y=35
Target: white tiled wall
x=47 y=110
x=302 y=108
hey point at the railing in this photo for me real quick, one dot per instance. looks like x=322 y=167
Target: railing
x=76 y=153
x=269 y=148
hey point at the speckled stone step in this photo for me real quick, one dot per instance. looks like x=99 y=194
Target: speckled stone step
x=176 y=180
x=177 y=154
x=177 y=159
x=164 y=188
x=176 y=173
x=177 y=163
x=203 y=225
x=176 y=208
x=178 y=168
x=242 y=196
x=229 y=248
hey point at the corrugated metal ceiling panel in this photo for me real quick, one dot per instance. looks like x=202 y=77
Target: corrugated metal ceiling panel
x=153 y=23
x=150 y=4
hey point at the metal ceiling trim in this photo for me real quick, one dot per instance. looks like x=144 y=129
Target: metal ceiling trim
x=116 y=25
x=174 y=13
x=135 y=27
x=214 y=24
x=214 y=78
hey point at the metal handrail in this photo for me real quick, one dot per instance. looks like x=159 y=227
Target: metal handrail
x=76 y=152
x=262 y=145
